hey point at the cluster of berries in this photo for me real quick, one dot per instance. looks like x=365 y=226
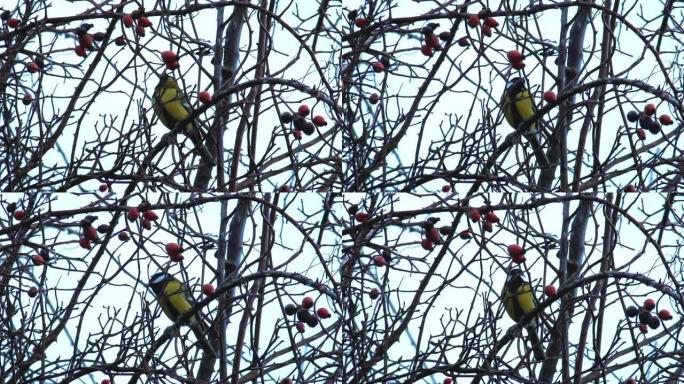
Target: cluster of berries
x=299 y=122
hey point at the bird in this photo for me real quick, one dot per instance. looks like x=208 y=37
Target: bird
x=175 y=300
x=518 y=107
x=171 y=106
x=519 y=300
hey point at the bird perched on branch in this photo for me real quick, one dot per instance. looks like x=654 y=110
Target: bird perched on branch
x=518 y=107
x=519 y=300
x=175 y=300
x=171 y=106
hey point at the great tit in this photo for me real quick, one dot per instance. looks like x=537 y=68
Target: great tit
x=175 y=300
x=171 y=106
x=519 y=300
x=518 y=106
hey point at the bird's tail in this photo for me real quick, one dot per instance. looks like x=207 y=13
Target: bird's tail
x=199 y=146
x=199 y=328
x=537 y=347
x=538 y=150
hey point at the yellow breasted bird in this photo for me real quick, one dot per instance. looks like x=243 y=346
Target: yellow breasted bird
x=171 y=106
x=518 y=106
x=175 y=300
x=519 y=300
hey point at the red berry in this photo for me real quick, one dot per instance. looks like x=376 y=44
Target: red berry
x=446 y=188
x=643 y=328
x=380 y=261
x=120 y=41
x=465 y=234
x=374 y=98
x=432 y=235
x=665 y=120
x=474 y=214
x=463 y=41
x=550 y=290
x=303 y=110
x=27 y=99
x=84 y=243
x=378 y=67
x=444 y=36
x=297 y=134
x=641 y=134
x=287 y=380
x=177 y=258
x=515 y=250
x=37 y=260
x=32 y=67
x=630 y=381
x=361 y=22
x=300 y=327
x=492 y=217
x=323 y=313
x=173 y=249
x=518 y=65
x=448 y=381
x=514 y=56
x=33 y=292
x=473 y=20
x=426 y=244
x=550 y=97
x=664 y=314
x=374 y=293
x=90 y=233
x=144 y=22
x=630 y=188
x=491 y=22
x=431 y=40
x=172 y=65
x=150 y=215
x=649 y=304
x=133 y=214
x=169 y=56
x=486 y=31
x=285 y=188
x=86 y=40
x=19 y=214
x=13 y=23
x=103 y=187
x=362 y=217
x=127 y=20
x=319 y=121
x=140 y=30
x=426 y=50
x=488 y=226
x=307 y=302
x=204 y=97
x=105 y=381
x=649 y=109
x=123 y=236
x=208 y=289
x=146 y=224
x=80 y=51
x=518 y=259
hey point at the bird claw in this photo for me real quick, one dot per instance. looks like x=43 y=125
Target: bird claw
x=172 y=331
x=513 y=332
x=513 y=138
